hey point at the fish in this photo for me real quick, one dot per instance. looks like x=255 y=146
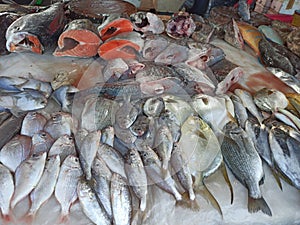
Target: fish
x=270 y=99
x=114 y=69
x=240 y=111
x=154 y=106
x=168 y=118
x=6 y=192
x=113 y=25
x=14 y=152
x=124 y=134
x=66 y=187
x=36 y=31
x=294 y=100
x=147 y=22
x=89 y=204
x=108 y=135
x=245 y=163
x=120 y=200
x=232 y=77
x=87 y=152
x=172 y=54
x=79 y=39
x=63 y=146
x=233 y=35
x=125 y=45
x=153 y=169
x=126 y=114
x=244 y=10
x=136 y=176
x=153 y=47
x=6 y=18
x=270 y=34
x=33 y=122
x=28 y=100
x=8 y=84
x=41 y=142
x=45 y=187
x=64 y=96
x=180 y=25
x=27 y=176
x=103 y=177
x=140 y=126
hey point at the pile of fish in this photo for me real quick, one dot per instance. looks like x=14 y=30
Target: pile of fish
x=166 y=113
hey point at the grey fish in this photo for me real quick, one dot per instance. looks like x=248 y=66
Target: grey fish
x=63 y=147
x=153 y=169
x=6 y=191
x=103 y=176
x=168 y=118
x=41 y=142
x=45 y=187
x=15 y=151
x=33 y=123
x=140 y=126
x=108 y=134
x=120 y=200
x=136 y=176
x=66 y=186
x=90 y=205
x=244 y=10
x=124 y=134
x=87 y=152
x=153 y=106
x=240 y=110
x=126 y=114
x=27 y=176
x=34 y=84
x=243 y=160
x=64 y=96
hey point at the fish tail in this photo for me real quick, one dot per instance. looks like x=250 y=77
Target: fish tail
x=64 y=218
x=28 y=219
x=186 y=202
x=225 y=175
x=255 y=205
x=277 y=178
x=7 y=219
x=165 y=164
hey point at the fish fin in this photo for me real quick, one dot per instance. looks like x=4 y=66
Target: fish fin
x=255 y=205
x=28 y=219
x=7 y=219
x=63 y=219
x=205 y=193
x=277 y=178
x=186 y=202
x=226 y=177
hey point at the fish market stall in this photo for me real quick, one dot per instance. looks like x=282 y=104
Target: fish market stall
x=114 y=115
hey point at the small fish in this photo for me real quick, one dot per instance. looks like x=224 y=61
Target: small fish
x=147 y=22
x=66 y=186
x=90 y=205
x=140 y=126
x=126 y=114
x=108 y=135
x=15 y=152
x=27 y=176
x=45 y=187
x=87 y=152
x=63 y=147
x=136 y=176
x=240 y=110
x=41 y=142
x=64 y=96
x=33 y=123
x=120 y=200
x=153 y=106
x=173 y=54
x=6 y=192
x=36 y=31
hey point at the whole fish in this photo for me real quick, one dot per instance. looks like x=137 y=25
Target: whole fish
x=35 y=31
x=64 y=95
x=108 y=135
x=87 y=152
x=66 y=186
x=103 y=176
x=147 y=22
x=41 y=142
x=15 y=151
x=136 y=176
x=45 y=187
x=27 y=176
x=63 y=147
x=90 y=205
x=153 y=106
x=153 y=169
x=33 y=123
x=126 y=114
x=243 y=160
x=240 y=110
x=120 y=200
x=6 y=192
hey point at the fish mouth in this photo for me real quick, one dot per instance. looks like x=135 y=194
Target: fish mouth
x=24 y=41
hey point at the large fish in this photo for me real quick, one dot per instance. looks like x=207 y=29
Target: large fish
x=6 y=192
x=79 y=39
x=35 y=31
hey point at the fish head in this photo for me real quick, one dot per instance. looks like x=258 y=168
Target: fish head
x=153 y=106
x=72 y=161
x=23 y=41
x=41 y=137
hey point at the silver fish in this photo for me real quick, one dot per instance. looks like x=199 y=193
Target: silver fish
x=240 y=110
x=153 y=106
x=66 y=186
x=168 y=118
x=33 y=123
x=88 y=151
x=108 y=134
x=41 y=142
x=63 y=147
x=124 y=134
x=33 y=84
x=27 y=176
x=136 y=176
x=64 y=96
x=45 y=187
x=103 y=177
x=126 y=114
x=6 y=191
x=15 y=152
x=90 y=205
x=120 y=200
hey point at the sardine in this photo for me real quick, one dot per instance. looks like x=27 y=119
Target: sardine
x=66 y=186
x=27 y=176
x=136 y=176
x=63 y=147
x=41 y=142
x=33 y=123
x=6 y=191
x=120 y=200
x=90 y=205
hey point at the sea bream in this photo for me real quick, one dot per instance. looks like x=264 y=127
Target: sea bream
x=34 y=32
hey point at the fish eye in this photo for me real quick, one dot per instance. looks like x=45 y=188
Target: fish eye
x=54 y=117
x=43 y=134
x=76 y=160
x=43 y=102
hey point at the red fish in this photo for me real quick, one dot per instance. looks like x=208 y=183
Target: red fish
x=80 y=39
